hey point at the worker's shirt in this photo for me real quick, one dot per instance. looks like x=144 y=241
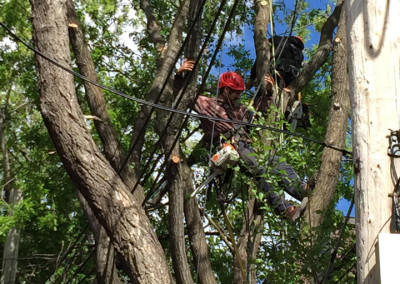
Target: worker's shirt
x=214 y=108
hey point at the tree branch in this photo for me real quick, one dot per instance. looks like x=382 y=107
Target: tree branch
x=153 y=28
x=322 y=53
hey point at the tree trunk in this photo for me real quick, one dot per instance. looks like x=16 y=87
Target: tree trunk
x=13 y=195
x=328 y=176
x=165 y=65
x=197 y=237
x=94 y=96
x=106 y=271
x=262 y=46
x=373 y=42
x=113 y=151
x=177 y=181
x=248 y=244
x=261 y=42
x=194 y=221
x=124 y=220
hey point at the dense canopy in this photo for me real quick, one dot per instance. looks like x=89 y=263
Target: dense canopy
x=99 y=155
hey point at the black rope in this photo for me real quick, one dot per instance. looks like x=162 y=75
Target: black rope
x=161 y=107
x=80 y=268
x=171 y=68
x=180 y=96
x=335 y=250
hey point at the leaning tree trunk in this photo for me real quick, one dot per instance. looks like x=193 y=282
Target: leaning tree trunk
x=124 y=220
x=328 y=175
x=105 y=266
x=373 y=41
x=165 y=64
x=194 y=221
x=94 y=96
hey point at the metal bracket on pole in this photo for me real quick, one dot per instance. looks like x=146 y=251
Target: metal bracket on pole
x=394 y=146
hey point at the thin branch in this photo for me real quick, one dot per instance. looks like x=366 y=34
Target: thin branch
x=220 y=232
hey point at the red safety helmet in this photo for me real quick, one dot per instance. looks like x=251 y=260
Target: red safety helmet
x=302 y=41
x=232 y=80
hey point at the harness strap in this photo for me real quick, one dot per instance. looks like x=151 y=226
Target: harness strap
x=237 y=133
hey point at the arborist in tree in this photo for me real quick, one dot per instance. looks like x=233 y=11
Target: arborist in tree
x=227 y=106
x=286 y=58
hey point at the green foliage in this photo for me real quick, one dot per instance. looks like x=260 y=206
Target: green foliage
x=50 y=216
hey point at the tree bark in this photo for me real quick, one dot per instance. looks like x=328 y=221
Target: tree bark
x=13 y=195
x=106 y=271
x=177 y=181
x=153 y=28
x=105 y=266
x=248 y=244
x=180 y=181
x=373 y=42
x=261 y=42
x=124 y=220
x=94 y=96
x=194 y=221
x=197 y=237
x=328 y=176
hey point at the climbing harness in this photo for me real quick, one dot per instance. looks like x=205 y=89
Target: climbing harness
x=221 y=161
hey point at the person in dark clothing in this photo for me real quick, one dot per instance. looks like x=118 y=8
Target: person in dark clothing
x=285 y=64
x=226 y=106
x=288 y=55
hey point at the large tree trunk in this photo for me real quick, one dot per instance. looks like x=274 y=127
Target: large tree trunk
x=328 y=176
x=113 y=151
x=373 y=42
x=124 y=220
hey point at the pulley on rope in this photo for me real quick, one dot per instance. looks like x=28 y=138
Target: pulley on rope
x=394 y=146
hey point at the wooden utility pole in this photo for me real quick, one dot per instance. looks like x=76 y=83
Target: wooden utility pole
x=373 y=40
